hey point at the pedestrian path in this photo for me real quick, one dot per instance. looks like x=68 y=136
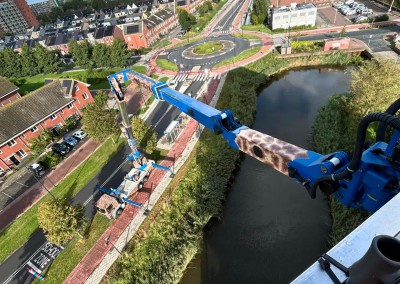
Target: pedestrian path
x=200 y=77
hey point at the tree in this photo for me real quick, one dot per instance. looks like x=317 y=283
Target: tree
x=186 y=20
x=10 y=63
x=29 y=66
x=119 y=53
x=260 y=10
x=101 y=55
x=38 y=144
x=145 y=135
x=59 y=220
x=82 y=52
x=99 y=121
x=374 y=86
x=208 y=5
x=47 y=61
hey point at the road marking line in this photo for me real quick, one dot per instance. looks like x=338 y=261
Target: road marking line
x=22 y=184
x=22 y=266
x=9 y=196
x=107 y=180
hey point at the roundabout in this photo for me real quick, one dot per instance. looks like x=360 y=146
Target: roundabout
x=208 y=49
x=208 y=52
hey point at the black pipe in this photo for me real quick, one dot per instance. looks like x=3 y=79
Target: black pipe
x=379 y=265
x=381 y=129
x=358 y=149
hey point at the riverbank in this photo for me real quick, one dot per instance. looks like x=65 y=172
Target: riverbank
x=164 y=250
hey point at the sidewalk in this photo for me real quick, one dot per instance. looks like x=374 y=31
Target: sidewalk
x=36 y=192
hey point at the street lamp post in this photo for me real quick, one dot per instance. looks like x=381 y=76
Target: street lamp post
x=390 y=8
x=39 y=181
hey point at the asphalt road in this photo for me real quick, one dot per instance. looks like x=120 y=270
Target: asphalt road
x=373 y=37
x=221 y=31
x=40 y=253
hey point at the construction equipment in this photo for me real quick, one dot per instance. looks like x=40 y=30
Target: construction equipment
x=113 y=201
x=366 y=181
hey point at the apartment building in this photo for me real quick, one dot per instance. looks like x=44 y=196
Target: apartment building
x=293 y=16
x=16 y=16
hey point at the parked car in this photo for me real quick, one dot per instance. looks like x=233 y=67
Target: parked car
x=367 y=12
x=348 y=2
x=70 y=141
x=351 y=12
x=60 y=149
x=79 y=134
x=337 y=4
x=360 y=19
x=344 y=9
x=37 y=169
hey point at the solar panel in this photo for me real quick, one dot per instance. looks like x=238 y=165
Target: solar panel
x=132 y=29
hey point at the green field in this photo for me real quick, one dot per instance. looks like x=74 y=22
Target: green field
x=245 y=54
x=97 y=78
x=19 y=231
x=246 y=36
x=75 y=251
x=166 y=65
x=208 y=47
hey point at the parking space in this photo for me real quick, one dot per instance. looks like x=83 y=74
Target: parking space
x=359 y=11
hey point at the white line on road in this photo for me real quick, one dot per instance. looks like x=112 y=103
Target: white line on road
x=91 y=197
x=22 y=184
x=7 y=195
x=165 y=113
x=23 y=265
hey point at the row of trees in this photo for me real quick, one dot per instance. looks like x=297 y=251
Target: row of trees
x=260 y=11
x=29 y=62
x=205 y=8
x=100 y=54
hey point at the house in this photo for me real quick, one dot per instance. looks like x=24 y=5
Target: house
x=46 y=108
x=8 y=92
x=293 y=16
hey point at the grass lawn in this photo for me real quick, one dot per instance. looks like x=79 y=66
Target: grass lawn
x=240 y=56
x=146 y=106
x=16 y=234
x=207 y=47
x=163 y=79
x=139 y=68
x=34 y=82
x=258 y=28
x=166 y=65
x=185 y=42
x=162 y=43
x=246 y=36
x=75 y=251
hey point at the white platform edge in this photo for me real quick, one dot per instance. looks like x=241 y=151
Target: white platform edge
x=386 y=221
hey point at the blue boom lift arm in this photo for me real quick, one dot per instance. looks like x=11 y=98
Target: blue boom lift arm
x=366 y=181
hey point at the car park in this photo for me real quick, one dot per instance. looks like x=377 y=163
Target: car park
x=37 y=169
x=79 y=134
x=351 y=12
x=337 y=4
x=70 y=141
x=348 y=2
x=360 y=19
x=60 y=149
x=367 y=12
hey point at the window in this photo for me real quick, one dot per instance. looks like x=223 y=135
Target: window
x=1 y=152
x=11 y=143
x=302 y=14
x=76 y=87
x=21 y=153
x=285 y=17
x=23 y=135
x=277 y=17
x=311 y=12
x=70 y=106
x=33 y=129
x=84 y=96
x=53 y=116
x=2 y=172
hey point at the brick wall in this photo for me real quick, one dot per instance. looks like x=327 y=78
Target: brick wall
x=9 y=98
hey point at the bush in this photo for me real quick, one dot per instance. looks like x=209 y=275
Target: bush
x=51 y=160
x=306 y=46
x=379 y=18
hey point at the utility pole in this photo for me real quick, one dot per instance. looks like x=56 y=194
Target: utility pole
x=39 y=181
x=390 y=8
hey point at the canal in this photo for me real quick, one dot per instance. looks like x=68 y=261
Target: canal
x=271 y=230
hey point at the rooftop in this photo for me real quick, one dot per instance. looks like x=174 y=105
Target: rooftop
x=6 y=87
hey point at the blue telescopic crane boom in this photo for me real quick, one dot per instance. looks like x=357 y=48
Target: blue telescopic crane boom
x=366 y=181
